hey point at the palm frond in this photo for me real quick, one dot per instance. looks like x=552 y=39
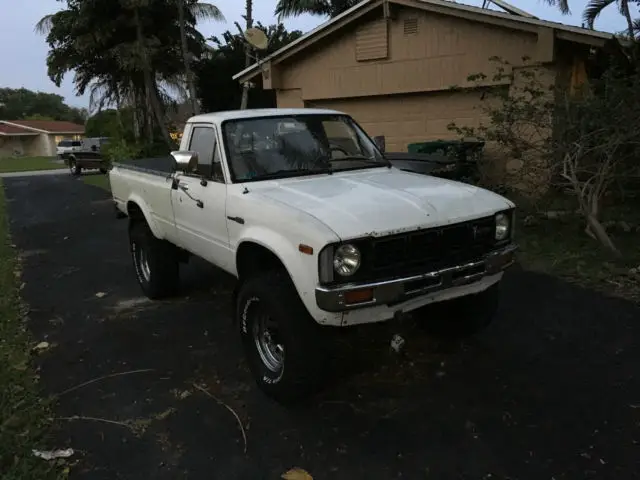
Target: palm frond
x=206 y=11
x=593 y=10
x=44 y=26
x=294 y=8
x=563 y=5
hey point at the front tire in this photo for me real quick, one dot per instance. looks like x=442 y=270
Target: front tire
x=462 y=317
x=74 y=168
x=155 y=262
x=285 y=348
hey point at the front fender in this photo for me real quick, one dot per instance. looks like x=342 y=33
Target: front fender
x=146 y=212
x=302 y=268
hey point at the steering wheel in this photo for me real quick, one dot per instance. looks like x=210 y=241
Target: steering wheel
x=337 y=148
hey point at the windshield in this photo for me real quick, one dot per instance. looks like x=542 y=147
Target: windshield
x=279 y=147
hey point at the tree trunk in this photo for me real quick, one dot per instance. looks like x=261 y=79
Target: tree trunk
x=627 y=16
x=595 y=227
x=247 y=62
x=195 y=108
x=149 y=81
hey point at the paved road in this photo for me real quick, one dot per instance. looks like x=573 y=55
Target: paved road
x=551 y=391
x=34 y=173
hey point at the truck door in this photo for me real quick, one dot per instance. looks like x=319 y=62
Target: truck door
x=199 y=201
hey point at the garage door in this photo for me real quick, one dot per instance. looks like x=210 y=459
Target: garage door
x=405 y=119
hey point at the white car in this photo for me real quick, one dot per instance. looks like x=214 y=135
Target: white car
x=320 y=230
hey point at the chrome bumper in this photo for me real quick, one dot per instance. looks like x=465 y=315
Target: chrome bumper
x=398 y=290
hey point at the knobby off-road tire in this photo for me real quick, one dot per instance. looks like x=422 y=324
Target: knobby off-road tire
x=271 y=299
x=462 y=317
x=155 y=262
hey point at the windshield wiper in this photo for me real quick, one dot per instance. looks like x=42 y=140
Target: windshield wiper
x=298 y=172
x=386 y=161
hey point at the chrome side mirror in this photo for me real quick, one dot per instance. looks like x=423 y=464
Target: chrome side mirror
x=185 y=161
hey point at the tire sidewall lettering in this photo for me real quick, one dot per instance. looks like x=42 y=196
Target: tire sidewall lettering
x=267 y=377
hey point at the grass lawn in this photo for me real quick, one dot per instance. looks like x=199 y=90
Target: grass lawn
x=28 y=164
x=23 y=414
x=96 y=180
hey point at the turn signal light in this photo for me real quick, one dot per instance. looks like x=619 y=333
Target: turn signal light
x=358 y=296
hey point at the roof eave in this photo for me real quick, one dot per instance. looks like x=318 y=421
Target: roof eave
x=565 y=32
x=253 y=70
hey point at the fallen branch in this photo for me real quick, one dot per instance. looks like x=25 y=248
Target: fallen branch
x=95 y=419
x=220 y=402
x=102 y=378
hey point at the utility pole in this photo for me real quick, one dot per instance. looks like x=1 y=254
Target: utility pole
x=247 y=49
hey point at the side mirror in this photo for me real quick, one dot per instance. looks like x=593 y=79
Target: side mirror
x=185 y=161
x=380 y=142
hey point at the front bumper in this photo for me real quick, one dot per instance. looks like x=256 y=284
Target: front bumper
x=389 y=292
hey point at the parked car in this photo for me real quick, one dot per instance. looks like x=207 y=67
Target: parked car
x=88 y=156
x=320 y=230
x=65 y=147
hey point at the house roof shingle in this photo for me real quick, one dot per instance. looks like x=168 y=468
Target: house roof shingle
x=15 y=130
x=48 y=126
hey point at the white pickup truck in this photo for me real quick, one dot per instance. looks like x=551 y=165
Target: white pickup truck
x=319 y=229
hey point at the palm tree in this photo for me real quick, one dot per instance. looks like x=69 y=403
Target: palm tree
x=324 y=8
x=200 y=11
x=595 y=7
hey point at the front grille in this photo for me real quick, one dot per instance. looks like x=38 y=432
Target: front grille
x=426 y=250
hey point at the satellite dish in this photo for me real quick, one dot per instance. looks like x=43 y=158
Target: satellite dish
x=256 y=38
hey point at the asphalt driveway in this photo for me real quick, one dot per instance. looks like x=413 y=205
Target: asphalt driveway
x=550 y=391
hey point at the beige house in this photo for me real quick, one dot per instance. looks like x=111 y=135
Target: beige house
x=391 y=63
x=35 y=138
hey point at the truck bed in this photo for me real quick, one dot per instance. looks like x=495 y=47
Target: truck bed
x=155 y=165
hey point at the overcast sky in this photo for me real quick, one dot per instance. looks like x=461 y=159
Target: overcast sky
x=24 y=53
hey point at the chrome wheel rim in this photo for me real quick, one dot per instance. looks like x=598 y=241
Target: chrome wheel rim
x=143 y=261
x=268 y=344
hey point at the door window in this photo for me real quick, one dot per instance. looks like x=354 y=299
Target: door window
x=203 y=141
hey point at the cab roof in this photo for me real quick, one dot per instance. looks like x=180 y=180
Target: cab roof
x=219 y=117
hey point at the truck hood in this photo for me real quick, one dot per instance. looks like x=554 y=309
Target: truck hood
x=381 y=201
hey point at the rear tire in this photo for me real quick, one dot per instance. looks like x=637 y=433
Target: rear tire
x=155 y=262
x=285 y=348
x=462 y=317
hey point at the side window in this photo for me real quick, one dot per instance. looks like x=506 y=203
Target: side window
x=203 y=141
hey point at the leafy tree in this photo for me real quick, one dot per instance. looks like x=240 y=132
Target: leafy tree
x=200 y=11
x=215 y=86
x=23 y=104
x=111 y=123
x=325 y=8
x=125 y=52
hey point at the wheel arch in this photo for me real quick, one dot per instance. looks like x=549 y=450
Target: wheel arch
x=137 y=210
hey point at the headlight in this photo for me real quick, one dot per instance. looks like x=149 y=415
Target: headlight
x=503 y=225
x=346 y=260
